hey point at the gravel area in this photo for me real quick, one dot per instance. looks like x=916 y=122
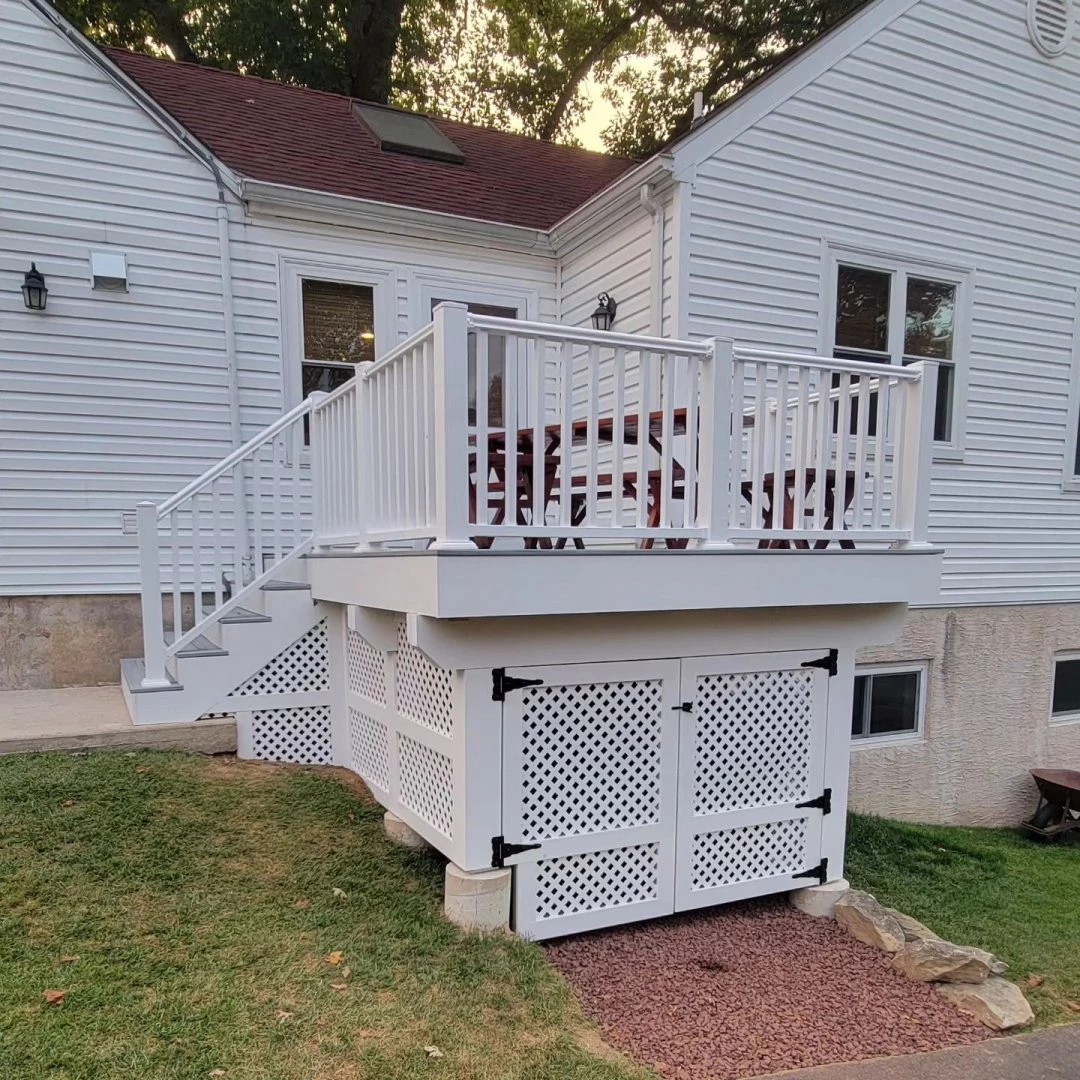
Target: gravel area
x=750 y=989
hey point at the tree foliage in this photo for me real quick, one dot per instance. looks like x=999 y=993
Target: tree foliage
x=533 y=66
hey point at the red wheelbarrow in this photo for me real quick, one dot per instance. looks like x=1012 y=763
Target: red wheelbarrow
x=1059 y=803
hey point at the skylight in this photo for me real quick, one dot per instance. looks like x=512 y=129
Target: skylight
x=400 y=132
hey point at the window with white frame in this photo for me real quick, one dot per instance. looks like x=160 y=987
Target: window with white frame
x=1065 y=703
x=891 y=313
x=338 y=324
x=889 y=703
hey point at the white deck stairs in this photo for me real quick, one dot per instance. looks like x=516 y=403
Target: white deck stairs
x=205 y=674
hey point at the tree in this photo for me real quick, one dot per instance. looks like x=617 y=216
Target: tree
x=521 y=65
x=345 y=47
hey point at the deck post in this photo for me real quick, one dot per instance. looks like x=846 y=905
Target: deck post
x=717 y=409
x=915 y=453
x=153 y=624
x=451 y=391
x=363 y=462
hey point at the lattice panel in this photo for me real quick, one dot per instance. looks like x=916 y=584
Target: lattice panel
x=591 y=758
x=753 y=734
x=368 y=748
x=367 y=668
x=749 y=853
x=304 y=666
x=597 y=880
x=423 y=690
x=301 y=736
x=426 y=780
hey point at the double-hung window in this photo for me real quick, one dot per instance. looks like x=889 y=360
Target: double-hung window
x=892 y=313
x=338 y=332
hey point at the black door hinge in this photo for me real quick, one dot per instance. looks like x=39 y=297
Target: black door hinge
x=501 y=851
x=502 y=684
x=828 y=663
x=686 y=707
x=823 y=803
x=821 y=872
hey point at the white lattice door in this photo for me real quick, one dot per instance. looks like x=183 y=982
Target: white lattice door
x=590 y=759
x=751 y=757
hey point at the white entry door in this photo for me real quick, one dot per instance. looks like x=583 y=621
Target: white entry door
x=589 y=774
x=751 y=776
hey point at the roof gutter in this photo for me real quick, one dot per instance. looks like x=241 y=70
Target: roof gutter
x=380 y=216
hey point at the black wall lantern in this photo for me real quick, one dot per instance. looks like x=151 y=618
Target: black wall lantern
x=604 y=315
x=33 y=289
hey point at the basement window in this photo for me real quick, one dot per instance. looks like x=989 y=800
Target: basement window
x=1065 y=706
x=888 y=704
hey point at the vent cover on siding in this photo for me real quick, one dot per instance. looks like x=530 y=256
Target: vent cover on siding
x=1051 y=23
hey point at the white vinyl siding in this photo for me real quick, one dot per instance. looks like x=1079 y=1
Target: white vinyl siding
x=945 y=138
x=106 y=397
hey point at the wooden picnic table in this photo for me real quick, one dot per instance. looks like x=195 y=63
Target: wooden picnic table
x=580 y=431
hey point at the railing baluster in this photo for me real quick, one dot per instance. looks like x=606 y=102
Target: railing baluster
x=758 y=464
x=215 y=541
x=779 y=496
x=737 y=468
x=667 y=438
x=481 y=514
x=510 y=423
x=861 y=439
x=823 y=424
x=566 y=435
x=843 y=423
x=177 y=585
x=196 y=555
x=881 y=441
x=618 y=435
x=643 y=440
x=593 y=437
x=277 y=452
x=535 y=353
x=799 y=438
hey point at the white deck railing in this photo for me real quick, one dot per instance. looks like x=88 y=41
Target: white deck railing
x=479 y=429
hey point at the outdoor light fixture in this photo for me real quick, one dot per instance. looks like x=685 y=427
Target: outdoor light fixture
x=604 y=315
x=33 y=289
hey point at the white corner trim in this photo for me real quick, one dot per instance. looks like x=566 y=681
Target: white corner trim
x=773 y=90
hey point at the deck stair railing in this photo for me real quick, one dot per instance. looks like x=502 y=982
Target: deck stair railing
x=225 y=534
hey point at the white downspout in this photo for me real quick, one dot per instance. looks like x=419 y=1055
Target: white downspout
x=656 y=283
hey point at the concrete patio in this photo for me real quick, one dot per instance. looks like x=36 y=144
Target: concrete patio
x=95 y=718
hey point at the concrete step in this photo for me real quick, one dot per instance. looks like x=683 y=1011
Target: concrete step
x=96 y=718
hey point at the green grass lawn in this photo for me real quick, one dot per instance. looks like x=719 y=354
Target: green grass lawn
x=188 y=908
x=994 y=888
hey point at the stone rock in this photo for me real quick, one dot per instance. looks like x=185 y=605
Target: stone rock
x=913 y=929
x=997 y=1003
x=866 y=920
x=942 y=961
x=819 y=900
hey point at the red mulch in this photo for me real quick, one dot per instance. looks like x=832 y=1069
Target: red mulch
x=751 y=989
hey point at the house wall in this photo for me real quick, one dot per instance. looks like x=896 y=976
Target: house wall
x=987 y=716
x=105 y=398
x=945 y=137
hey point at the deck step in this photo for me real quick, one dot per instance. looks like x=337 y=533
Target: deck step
x=133 y=671
x=240 y=615
x=285 y=586
x=200 y=646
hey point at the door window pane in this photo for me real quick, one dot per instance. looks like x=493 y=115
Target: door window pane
x=496 y=362
x=931 y=319
x=862 y=309
x=886 y=704
x=1066 y=687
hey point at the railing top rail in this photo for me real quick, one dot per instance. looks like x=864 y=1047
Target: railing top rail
x=320 y=400
x=830 y=363
x=398 y=351
x=583 y=336
x=238 y=455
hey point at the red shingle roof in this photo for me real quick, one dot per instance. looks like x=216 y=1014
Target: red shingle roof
x=306 y=138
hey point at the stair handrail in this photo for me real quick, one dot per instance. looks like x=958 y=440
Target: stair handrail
x=238 y=455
